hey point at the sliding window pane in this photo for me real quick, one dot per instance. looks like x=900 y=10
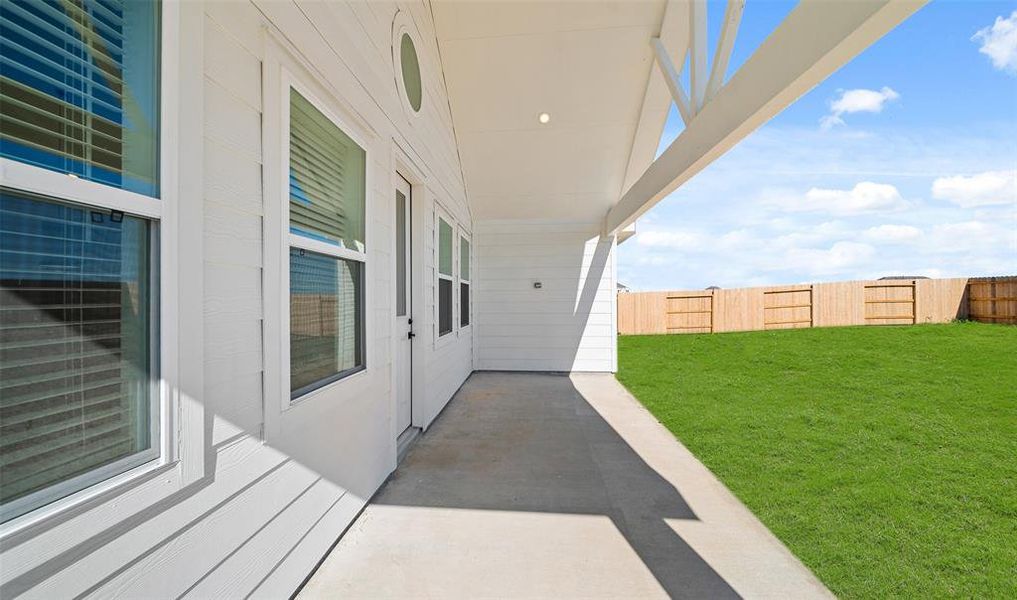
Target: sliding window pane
x=444 y=247
x=79 y=89
x=76 y=376
x=327 y=178
x=444 y=306
x=326 y=319
x=464 y=304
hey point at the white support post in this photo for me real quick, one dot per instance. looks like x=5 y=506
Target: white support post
x=697 y=50
x=728 y=33
x=672 y=78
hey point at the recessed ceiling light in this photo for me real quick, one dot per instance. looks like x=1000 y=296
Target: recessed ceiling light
x=544 y=118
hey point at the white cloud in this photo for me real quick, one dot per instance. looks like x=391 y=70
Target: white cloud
x=757 y=225
x=854 y=101
x=984 y=189
x=821 y=262
x=891 y=234
x=999 y=43
x=974 y=237
x=865 y=197
x=675 y=240
x=810 y=236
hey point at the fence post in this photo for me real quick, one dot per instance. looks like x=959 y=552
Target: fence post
x=812 y=306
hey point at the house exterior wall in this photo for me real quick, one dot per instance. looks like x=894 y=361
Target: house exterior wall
x=565 y=325
x=274 y=488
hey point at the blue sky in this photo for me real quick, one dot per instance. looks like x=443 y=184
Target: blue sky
x=902 y=162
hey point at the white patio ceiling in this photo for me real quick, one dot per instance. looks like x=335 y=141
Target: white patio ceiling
x=586 y=64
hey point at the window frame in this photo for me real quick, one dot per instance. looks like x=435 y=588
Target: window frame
x=402 y=23
x=68 y=487
x=283 y=72
x=440 y=212
x=295 y=240
x=176 y=430
x=461 y=236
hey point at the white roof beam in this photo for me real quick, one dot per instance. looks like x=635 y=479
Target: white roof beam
x=816 y=39
x=728 y=33
x=697 y=54
x=672 y=76
x=674 y=33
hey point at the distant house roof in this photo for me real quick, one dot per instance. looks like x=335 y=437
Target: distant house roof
x=622 y=287
x=903 y=277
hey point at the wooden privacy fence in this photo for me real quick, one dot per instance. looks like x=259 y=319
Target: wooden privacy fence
x=883 y=302
x=993 y=299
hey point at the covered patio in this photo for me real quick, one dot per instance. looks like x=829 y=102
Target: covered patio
x=544 y=485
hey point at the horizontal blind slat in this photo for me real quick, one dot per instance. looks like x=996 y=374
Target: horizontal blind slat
x=81 y=127
x=67 y=464
x=74 y=67
x=109 y=22
x=68 y=38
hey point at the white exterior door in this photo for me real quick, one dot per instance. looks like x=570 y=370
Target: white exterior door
x=403 y=303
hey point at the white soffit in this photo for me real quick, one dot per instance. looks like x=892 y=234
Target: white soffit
x=585 y=63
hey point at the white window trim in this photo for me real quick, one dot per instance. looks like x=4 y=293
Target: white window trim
x=294 y=240
x=411 y=171
x=37 y=180
x=440 y=340
x=284 y=70
x=461 y=235
x=176 y=457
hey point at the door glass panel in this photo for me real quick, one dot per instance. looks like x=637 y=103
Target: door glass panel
x=400 y=254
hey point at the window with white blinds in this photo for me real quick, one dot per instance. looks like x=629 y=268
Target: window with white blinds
x=326 y=178
x=79 y=95
x=327 y=253
x=79 y=89
x=76 y=371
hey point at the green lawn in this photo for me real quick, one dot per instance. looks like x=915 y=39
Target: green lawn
x=885 y=458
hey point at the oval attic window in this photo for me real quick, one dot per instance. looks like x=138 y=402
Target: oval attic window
x=411 y=71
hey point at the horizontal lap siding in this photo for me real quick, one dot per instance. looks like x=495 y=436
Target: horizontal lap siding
x=267 y=512
x=567 y=324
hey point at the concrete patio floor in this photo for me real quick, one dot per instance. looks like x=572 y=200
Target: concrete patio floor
x=552 y=486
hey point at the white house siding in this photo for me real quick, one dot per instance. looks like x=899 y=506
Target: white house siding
x=567 y=324
x=268 y=508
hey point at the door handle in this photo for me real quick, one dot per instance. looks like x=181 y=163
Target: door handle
x=410 y=335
